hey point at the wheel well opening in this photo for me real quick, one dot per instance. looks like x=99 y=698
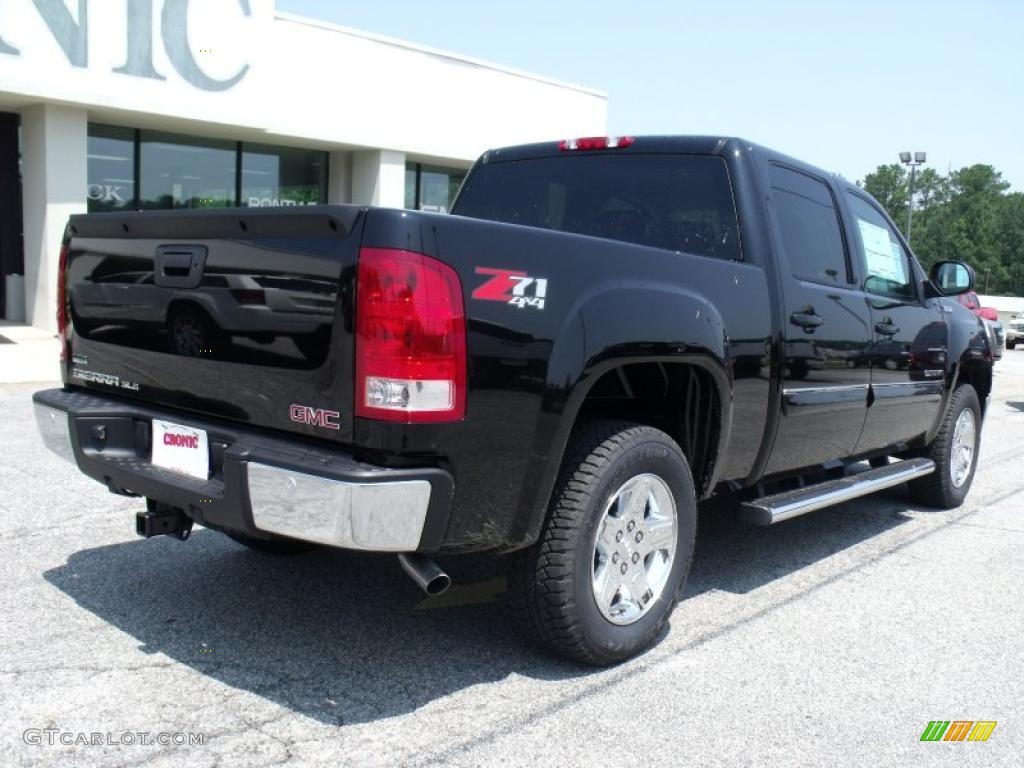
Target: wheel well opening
x=678 y=398
x=979 y=376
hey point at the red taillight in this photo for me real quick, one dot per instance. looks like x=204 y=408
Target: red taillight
x=62 y=303
x=410 y=338
x=590 y=143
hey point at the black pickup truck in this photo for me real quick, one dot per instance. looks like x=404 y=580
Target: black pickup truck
x=604 y=333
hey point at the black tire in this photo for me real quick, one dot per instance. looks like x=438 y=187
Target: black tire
x=192 y=333
x=550 y=583
x=277 y=546
x=938 y=489
x=1011 y=345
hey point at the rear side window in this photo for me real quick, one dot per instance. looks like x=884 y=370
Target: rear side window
x=809 y=225
x=677 y=202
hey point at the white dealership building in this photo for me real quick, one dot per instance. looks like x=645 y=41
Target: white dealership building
x=153 y=104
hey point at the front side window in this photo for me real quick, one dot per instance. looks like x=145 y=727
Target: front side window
x=182 y=172
x=882 y=256
x=111 y=169
x=676 y=202
x=809 y=226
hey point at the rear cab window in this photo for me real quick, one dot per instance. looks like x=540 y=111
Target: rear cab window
x=675 y=202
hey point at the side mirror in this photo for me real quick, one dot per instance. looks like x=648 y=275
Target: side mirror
x=952 y=277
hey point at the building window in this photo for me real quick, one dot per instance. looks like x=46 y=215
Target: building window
x=411 y=180
x=181 y=172
x=134 y=170
x=111 y=168
x=274 y=176
x=430 y=188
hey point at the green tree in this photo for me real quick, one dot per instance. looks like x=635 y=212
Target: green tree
x=888 y=185
x=968 y=214
x=1008 y=242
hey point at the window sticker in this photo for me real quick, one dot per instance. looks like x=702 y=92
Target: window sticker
x=884 y=258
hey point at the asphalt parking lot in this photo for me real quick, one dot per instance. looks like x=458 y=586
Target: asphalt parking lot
x=830 y=639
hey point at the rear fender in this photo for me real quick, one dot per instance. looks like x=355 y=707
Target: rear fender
x=614 y=325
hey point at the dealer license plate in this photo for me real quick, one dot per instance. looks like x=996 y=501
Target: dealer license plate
x=181 y=449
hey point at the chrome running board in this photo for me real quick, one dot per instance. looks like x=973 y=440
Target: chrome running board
x=782 y=506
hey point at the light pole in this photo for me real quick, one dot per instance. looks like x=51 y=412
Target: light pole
x=913 y=160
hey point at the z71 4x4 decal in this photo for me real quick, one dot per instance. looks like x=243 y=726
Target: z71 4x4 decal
x=511 y=286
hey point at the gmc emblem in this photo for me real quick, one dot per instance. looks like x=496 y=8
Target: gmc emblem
x=314 y=417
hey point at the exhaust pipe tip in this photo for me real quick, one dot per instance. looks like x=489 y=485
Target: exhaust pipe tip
x=438 y=585
x=426 y=573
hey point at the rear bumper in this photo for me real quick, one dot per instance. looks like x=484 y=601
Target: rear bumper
x=259 y=484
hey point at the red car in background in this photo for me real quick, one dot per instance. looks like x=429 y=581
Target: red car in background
x=971 y=301
x=988 y=315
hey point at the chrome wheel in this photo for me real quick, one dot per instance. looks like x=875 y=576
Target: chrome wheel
x=634 y=549
x=962 y=450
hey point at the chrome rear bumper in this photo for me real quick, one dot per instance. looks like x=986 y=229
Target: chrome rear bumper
x=55 y=432
x=385 y=517
x=258 y=485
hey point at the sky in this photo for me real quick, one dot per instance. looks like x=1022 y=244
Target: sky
x=843 y=85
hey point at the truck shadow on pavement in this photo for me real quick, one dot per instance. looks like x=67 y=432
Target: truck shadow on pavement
x=346 y=638
x=735 y=557
x=332 y=635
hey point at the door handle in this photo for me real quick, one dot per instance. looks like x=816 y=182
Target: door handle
x=886 y=328
x=807 y=319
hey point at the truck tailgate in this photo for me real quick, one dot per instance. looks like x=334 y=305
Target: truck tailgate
x=243 y=314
